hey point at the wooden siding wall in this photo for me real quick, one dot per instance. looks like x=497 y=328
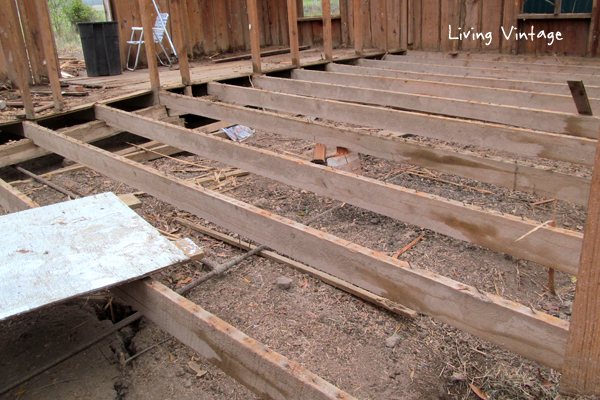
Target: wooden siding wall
x=430 y=21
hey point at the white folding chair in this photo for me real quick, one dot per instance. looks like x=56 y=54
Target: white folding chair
x=158 y=32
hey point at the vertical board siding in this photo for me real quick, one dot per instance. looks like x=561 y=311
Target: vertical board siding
x=430 y=25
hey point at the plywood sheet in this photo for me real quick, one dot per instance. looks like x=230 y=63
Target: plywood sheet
x=53 y=253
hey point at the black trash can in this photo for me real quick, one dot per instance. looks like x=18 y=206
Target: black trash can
x=100 y=42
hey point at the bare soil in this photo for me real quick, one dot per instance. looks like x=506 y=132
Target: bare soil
x=335 y=335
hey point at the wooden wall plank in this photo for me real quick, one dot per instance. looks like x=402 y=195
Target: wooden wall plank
x=221 y=26
x=403 y=24
x=377 y=39
x=471 y=23
x=450 y=15
x=263 y=16
x=535 y=335
x=317 y=32
x=284 y=33
x=574 y=34
x=430 y=26
x=274 y=21
x=417 y=24
x=491 y=21
x=336 y=32
x=209 y=35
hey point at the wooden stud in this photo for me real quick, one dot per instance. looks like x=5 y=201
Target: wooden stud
x=293 y=28
x=14 y=51
x=319 y=154
x=12 y=200
x=254 y=36
x=31 y=32
x=180 y=44
x=581 y=374
x=146 y=9
x=327 y=38
x=47 y=35
x=515 y=327
x=107 y=10
x=592 y=38
x=580 y=97
x=498 y=232
x=358 y=26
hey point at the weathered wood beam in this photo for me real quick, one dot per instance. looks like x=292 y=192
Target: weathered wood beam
x=14 y=51
x=358 y=26
x=13 y=200
x=533 y=334
x=581 y=373
x=351 y=75
x=562 y=123
x=47 y=35
x=179 y=40
x=499 y=65
x=516 y=140
x=553 y=247
x=254 y=36
x=25 y=149
x=292 y=13
x=481 y=72
x=146 y=10
x=489 y=169
x=266 y=373
x=327 y=37
x=509 y=83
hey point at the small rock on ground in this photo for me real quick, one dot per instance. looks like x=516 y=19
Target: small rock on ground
x=392 y=341
x=283 y=283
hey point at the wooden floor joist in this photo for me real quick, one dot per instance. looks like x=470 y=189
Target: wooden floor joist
x=13 y=200
x=508 y=83
x=532 y=76
x=352 y=76
x=499 y=65
x=495 y=171
x=24 y=149
x=266 y=373
x=554 y=122
x=553 y=247
x=491 y=136
x=518 y=328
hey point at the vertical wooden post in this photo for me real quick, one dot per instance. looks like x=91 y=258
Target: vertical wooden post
x=47 y=35
x=31 y=32
x=581 y=371
x=254 y=36
x=14 y=51
x=293 y=25
x=591 y=43
x=358 y=27
x=179 y=42
x=107 y=10
x=146 y=8
x=327 y=38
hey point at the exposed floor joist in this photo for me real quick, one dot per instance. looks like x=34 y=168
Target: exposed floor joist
x=553 y=247
x=508 y=83
x=266 y=373
x=13 y=200
x=554 y=122
x=535 y=335
x=485 y=135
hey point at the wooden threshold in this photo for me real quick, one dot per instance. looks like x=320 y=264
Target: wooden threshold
x=518 y=328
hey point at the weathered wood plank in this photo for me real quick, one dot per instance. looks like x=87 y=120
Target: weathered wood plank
x=489 y=169
x=399 y=82
x=566 y=124
x=327 y=36
x=254 y=36
x=581 y=373
x=430 y=24
x=147 y=23
x=499 y=65
x=293 y=32
x=13 y=200
x=444 y=216
x=266 y=373
x=548 y=88
x=25 y=149
x=535 y=335
x=179 y=41
x=531 y=76
x=358 y=27
x=516 y=140
x=47 y=36
x=32 y=30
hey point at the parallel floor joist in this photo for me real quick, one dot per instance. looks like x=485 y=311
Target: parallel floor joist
x=520 y=141
x=514 y=58
x=520 y=329
x=358 y=76
x=546 y=121
x=531 y=76
x=499 y=65
x=554 y=247
x=491 y=170
x=266 y=373
x=13 y=200
x=25 y=149
x=508 y=83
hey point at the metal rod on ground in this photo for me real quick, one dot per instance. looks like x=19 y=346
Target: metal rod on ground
x=217 y=270
x=48 y=183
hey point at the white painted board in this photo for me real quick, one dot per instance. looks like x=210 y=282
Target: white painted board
x=53 y=253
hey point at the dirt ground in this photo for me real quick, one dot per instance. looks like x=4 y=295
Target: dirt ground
x=366 y=351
